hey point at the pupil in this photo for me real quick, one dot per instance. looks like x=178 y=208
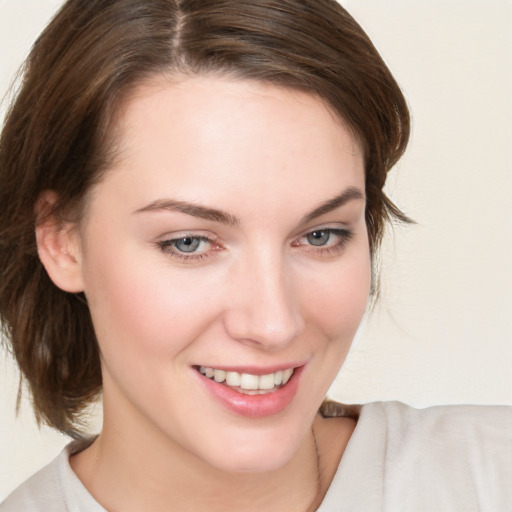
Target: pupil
x=187 y=244
x=318 y=237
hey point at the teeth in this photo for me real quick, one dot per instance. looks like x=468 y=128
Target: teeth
x=219 y=375
x=233 y=379
x=248 y=381
x=267 y=381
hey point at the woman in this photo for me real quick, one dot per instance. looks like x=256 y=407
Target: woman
x=191 y=204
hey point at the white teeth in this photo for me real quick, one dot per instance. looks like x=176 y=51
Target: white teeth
x=233 y=379
x=219 y=375
x=267 y=381
x=247 y=381
x=286 y=375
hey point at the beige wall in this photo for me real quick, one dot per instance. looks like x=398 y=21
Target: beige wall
x=442 y=332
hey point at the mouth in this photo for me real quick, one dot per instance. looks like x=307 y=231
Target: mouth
x=247 y=383
x=254 y=393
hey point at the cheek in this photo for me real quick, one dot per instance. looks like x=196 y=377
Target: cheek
x=146 y=308
x=336 y=302
x=337 y=298
x=153 y=308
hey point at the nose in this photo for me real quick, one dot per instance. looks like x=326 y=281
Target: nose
x=263 y=309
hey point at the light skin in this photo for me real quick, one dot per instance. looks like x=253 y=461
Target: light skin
x=266 y=186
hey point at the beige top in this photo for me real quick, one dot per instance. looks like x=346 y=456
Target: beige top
x=399 y=459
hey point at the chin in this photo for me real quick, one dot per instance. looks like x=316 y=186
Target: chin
x=256 y=462
x=258 y=450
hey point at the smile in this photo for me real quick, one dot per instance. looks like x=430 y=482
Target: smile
x=247 y=383
x=254 y=395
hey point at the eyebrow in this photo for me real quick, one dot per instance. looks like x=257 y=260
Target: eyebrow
x=195 y=210
x=350 y=194
x=204 y=212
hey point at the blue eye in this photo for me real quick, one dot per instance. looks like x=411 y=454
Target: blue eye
x=187 y=244
x=188 y=247
x=324 y=241
x=319 y=238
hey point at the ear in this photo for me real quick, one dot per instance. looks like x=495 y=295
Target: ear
x=58 y=245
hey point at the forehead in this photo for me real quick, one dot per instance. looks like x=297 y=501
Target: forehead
x=205 y=137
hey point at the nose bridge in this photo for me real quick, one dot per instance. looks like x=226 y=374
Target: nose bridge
x=264 y=309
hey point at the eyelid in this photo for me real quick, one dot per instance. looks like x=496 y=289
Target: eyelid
x=339 y=237
x=343 y=234
x=183 y=233
x=165 y=244
x=332 y=226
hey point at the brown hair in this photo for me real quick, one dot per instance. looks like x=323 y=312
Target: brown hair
x=55 y=137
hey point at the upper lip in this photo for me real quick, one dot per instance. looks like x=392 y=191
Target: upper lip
x=254 y=370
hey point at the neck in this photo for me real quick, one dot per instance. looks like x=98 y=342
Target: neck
x=155 y=472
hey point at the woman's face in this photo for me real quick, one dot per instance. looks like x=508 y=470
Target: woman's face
x=225 y=250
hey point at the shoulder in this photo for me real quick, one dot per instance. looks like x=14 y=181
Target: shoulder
x=54 y=488
x=464 y=425
x=41 y=492
x=458 y=455
x=476 y=436
x=402 y=429
x=402 y=458
x=400 y=409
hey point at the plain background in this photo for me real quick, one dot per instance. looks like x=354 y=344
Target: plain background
x=442 y=331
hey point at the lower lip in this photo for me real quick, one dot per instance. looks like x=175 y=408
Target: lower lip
x=254 y=406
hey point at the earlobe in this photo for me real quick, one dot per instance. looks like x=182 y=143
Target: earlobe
x=58 y=245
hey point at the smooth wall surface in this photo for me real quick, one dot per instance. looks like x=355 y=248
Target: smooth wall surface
x=442 y=331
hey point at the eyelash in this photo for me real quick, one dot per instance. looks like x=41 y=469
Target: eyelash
x=343 y=236
x=168 y=246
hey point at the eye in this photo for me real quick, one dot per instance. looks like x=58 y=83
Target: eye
x=187 y=244
x=319 y=238
x=324 y=241
x=188 y=247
